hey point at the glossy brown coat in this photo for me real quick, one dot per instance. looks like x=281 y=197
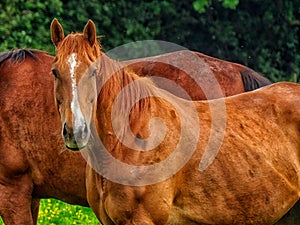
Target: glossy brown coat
x=254 y=178
x=33 y=161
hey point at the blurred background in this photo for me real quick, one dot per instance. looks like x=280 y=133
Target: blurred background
x=263 y=35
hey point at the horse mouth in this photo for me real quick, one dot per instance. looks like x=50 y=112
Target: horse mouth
x=77 y=141
x=75 y=148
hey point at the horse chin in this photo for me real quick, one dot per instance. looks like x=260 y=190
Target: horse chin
x=75 y=148
x=76 y=143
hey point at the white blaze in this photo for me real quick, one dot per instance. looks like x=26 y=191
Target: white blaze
x=75 y=106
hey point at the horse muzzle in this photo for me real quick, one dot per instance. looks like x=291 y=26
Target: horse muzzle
x=77 y=138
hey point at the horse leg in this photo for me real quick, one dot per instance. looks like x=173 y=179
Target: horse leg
x=35 y=206
x=15 y=204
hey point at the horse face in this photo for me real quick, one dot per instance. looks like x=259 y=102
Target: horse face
x=75 y=95
x=74 y=86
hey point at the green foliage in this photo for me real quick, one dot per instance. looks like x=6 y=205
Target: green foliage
x=230 y=4
x=201 y=5
x=54 y=212
x=263 y=35
x=57 y=212
x=24 y=24
x=119 y=22
x=258 y=34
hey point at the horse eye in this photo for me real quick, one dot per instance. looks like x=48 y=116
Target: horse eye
x=94 y=73
x=55 y=74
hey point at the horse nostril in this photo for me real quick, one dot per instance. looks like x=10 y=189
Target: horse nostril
x=81 y=132
x=65 y=130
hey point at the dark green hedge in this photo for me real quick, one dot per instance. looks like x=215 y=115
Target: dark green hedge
x=263 y=35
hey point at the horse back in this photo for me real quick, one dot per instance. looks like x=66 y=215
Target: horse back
x=199 y=75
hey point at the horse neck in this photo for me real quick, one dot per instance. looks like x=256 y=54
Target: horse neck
x=118 y=97
x=114 y=77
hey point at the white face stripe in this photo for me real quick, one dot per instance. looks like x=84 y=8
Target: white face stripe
x=75 y=106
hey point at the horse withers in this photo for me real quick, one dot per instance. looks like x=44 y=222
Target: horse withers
x=143 y=171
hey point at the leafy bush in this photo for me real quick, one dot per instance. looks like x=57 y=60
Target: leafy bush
x=26 y=23
x=263 y=35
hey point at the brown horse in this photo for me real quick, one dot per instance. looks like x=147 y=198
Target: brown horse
x=184 y=67
x=13 y=66
x=54 y=173
x=155 y=172
x=33 y=163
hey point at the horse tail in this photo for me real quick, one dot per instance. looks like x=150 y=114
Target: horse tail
x=252 y=80
x=18 y=55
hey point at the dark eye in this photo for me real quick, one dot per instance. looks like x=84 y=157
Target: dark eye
x=94 y=73
x=55 y=74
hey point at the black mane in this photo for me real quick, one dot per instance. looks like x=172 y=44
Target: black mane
x=253 y=80
x=19 y=55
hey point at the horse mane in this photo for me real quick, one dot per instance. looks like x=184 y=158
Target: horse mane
x=253 y=80
x=121 y=77
x=117 y=78
x=75 y=42
x=19 y=55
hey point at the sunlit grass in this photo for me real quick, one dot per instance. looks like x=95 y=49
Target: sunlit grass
x=53 y=212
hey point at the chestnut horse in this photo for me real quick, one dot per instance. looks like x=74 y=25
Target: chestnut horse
x=45 y=172
x=32 y=63
x=145 y=171
x=33 y=163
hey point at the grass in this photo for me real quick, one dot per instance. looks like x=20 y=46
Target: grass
x=54 y=212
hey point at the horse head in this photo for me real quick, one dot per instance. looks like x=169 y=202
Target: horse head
x=72 y=67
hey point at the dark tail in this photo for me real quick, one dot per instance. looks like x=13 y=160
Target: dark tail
x=252 y=80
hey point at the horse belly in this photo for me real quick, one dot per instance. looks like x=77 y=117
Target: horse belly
x=221 y=214
x=229 y=196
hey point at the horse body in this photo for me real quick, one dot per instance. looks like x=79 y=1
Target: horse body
x=33 y=163
x=32 y=155
x=252 y=179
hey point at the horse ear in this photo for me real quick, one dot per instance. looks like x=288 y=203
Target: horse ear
x=89 y=32
x=57 y=32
